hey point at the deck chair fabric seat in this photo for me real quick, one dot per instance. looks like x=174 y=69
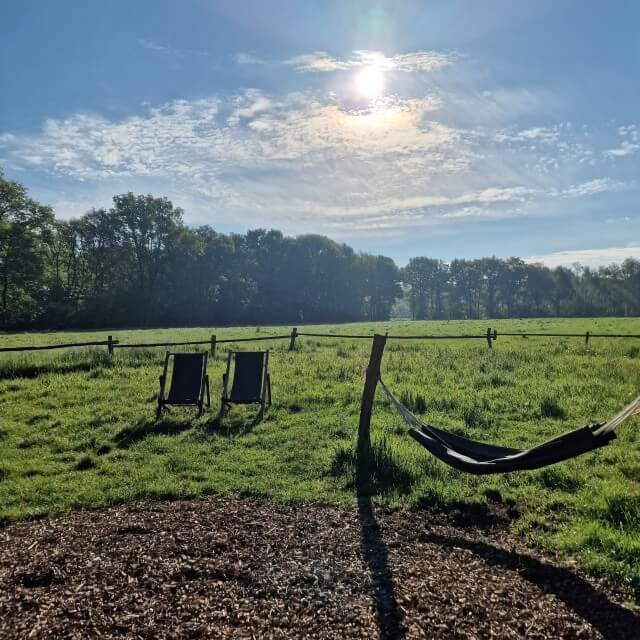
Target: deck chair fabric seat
x=247 y=377
x=189 y=381
x=187 y=378
x=251 y=380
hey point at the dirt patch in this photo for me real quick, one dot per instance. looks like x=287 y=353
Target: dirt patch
x=250 y=568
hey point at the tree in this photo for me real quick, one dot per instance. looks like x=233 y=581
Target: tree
x=148 y=225
x=25 y=230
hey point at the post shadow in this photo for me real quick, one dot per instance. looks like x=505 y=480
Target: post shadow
x=612 y=620
x=372 y=545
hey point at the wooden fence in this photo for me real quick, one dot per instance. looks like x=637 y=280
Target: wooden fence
x=490 y=336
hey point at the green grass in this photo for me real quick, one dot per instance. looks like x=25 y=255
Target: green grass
x=77 y=430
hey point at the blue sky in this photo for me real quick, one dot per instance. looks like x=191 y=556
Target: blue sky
x=448 y=129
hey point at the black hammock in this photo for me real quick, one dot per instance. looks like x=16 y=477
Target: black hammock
x=480 y=458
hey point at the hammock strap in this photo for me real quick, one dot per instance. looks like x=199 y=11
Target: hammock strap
x=631 y=409
x=407 y=416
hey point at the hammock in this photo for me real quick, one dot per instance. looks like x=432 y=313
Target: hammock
x=480 y=458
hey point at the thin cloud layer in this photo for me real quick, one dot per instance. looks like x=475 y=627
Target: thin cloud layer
x=323 y=161
x=320 y=61
x=587 y=257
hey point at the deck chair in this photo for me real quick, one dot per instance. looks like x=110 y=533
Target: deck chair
x=251 y=379
x=189 y=382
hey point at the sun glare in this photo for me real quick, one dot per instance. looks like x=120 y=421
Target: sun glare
x=370 y=82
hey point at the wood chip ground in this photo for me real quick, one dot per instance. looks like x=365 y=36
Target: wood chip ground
x=249 y=568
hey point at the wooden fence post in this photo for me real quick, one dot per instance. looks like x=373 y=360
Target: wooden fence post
x=586 y=339
x=294 y=335
x=213 y=345
x=110 y=345
x=489 y=336
x=366 y=406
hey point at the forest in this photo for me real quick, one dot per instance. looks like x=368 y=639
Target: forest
x=137 y=264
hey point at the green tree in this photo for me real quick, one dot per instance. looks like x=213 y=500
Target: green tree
x=25 y=230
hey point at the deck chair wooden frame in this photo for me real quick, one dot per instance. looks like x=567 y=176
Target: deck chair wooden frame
x=198 y=397
x=229 y=396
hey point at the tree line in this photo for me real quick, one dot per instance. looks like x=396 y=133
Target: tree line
x=137 y=264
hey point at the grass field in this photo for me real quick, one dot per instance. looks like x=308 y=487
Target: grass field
x=77 y=430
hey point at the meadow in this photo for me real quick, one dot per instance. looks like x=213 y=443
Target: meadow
x=77 y=428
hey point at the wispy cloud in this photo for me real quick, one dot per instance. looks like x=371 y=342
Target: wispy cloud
x=626 y=148
x=587 y=257
x=247 y=58
x=311 y=160
x=629 y=142
x=406 y=62
x=534 y=134
x=151 y=45
x=592 y=187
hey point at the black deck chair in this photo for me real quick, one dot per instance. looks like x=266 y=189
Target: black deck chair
x=251 y=379
x=189 y=382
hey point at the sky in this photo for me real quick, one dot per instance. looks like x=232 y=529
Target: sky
x=448 y=129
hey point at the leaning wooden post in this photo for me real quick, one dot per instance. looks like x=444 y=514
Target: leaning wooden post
x=489 y=336
x=294 y=335
x=110 y=345
x=366 y=406
x=213 y=346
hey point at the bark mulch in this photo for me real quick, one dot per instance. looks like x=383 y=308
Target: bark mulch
x=248 y=568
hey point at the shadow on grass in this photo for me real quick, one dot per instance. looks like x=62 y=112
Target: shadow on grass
x=373 y=464
x=381 y=469
x=146 y=428
x=229 y=422
x=612 y=620
x=11 y=371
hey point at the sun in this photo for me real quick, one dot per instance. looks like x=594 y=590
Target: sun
x=370 y=82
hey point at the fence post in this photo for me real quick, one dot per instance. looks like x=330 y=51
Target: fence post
x=294 y=335
x=110 y=345
x=489 y=336
x=586 y=339
x=366 y=405
x=213 y=345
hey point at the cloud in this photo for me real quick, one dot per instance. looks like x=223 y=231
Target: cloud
x=629 y=144
x=587 y=257
x=631 y=131
x=297 y=159
x=592 y=187
x=248 y=105
x=626 y=148
x=537 y=134
x=247 y=58
x=313 y=161
x=407 y=62
x=151 y=45
x=317 y=61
